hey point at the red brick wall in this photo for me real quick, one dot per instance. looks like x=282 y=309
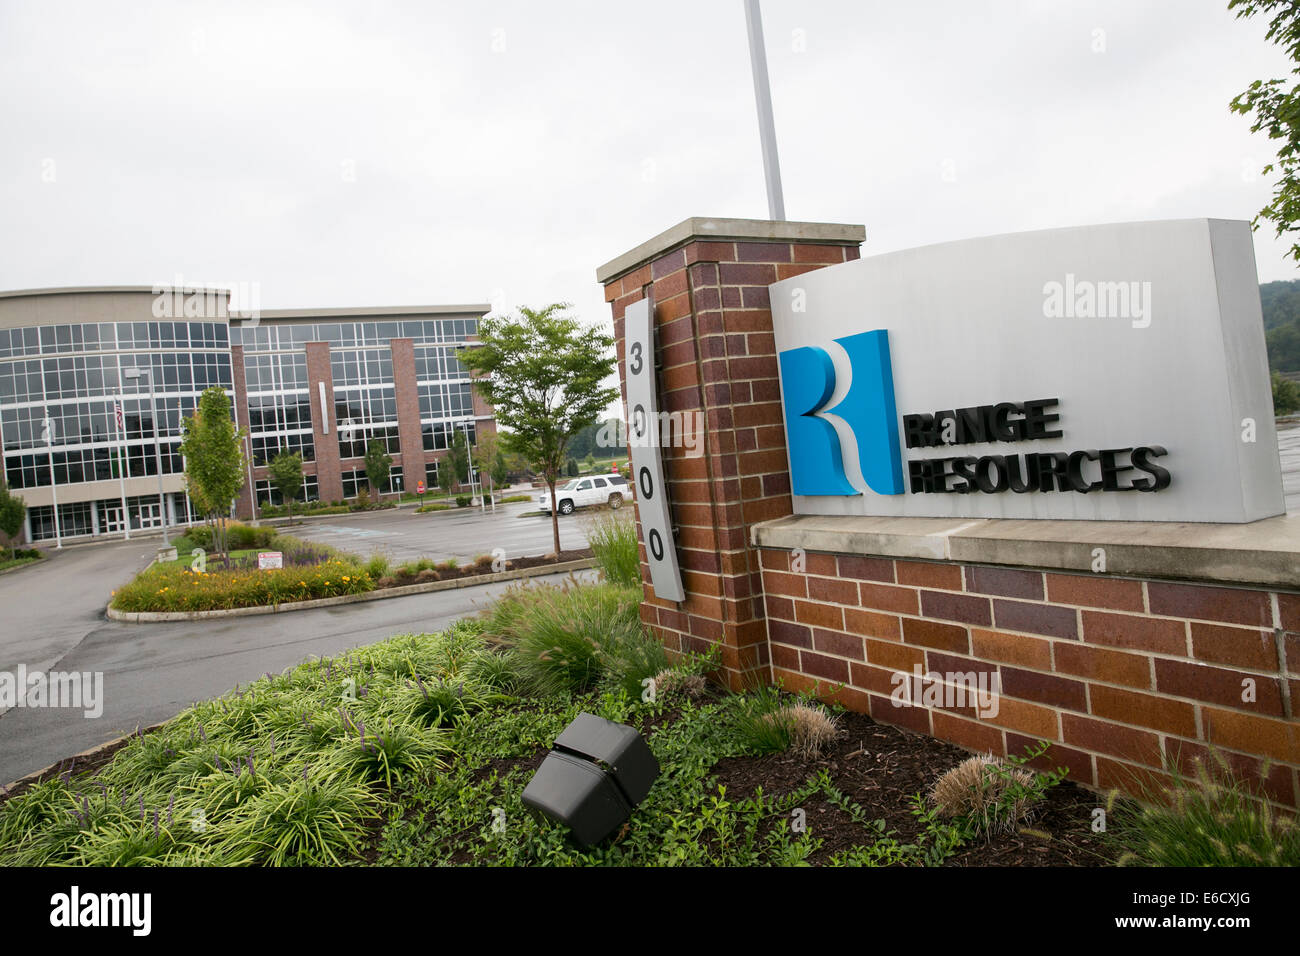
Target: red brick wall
x=1120 y=674
x=717 y=359
x=329 y=474
x=411 y=457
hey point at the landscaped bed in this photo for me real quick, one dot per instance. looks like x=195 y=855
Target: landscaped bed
x=416 y=750
x=311 y=571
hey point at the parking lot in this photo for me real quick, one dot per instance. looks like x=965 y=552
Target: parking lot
x=463 y=533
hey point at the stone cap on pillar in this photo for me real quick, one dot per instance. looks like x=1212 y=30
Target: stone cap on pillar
x=733 y=230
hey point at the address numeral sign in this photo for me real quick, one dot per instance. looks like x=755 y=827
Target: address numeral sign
x=647 y=455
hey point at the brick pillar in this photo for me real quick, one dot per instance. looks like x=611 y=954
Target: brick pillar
x=716 y=359
x=407 y=394
x=329 y=476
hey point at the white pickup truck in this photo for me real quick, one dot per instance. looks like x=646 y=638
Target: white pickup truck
x=583 y=492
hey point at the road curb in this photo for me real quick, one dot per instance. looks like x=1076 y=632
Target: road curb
x=35 y=775
x=26 y=564
x=154 y=617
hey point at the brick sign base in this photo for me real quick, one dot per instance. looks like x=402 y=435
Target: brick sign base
x=1126 y=675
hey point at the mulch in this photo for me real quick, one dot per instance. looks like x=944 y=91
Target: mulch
x=881 y=767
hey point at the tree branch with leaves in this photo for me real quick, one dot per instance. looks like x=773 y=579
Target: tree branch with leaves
x=545 y=375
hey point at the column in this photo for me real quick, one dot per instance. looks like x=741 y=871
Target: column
x=717 y=364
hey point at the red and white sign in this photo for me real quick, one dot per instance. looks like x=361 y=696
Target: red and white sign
x=268 y=560
x=419 y=487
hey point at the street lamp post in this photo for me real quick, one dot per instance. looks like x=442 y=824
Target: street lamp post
x=469 y=450
x=145 y=373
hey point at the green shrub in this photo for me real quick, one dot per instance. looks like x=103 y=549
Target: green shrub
x=757 y=728
x=425 y=509
x=462 y=501
x=1214 y=818
x=513 y=498
x=575 y=636
x=306 y=822
x=376 y=566
x=612 y=536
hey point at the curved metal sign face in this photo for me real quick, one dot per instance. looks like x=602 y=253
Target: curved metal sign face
x=1107 y=372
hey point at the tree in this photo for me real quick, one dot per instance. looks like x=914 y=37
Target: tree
x=545 y=376
x=491 y=458
x=378 y=465
x=458 y=456
x=213 y=450
x=1277 y=111
x=571 y=468
x=446 y=474
x=12 y=512
x=286 y=474
x=1286 y=396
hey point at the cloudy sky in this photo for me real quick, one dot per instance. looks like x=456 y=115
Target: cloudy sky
x=382 y=153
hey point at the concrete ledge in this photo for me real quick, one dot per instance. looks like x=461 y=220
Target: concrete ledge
x=713 y=230
x=1264 y=553
x=153 y=617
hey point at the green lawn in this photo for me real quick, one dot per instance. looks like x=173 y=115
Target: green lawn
x=6 y=563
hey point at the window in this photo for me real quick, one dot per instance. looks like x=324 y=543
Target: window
x=267 y=493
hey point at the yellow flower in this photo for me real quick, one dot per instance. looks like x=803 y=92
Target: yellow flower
x=327 y=582
x=303 y=583
x=345 y=577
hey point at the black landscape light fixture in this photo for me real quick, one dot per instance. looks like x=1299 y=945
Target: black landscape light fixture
x=594 y=776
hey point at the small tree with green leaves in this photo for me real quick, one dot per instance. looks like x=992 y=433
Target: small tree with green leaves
x=378 y=465
x=446 y=475
x=286 y=474
x=458 y=456
x=1286 y=395
x=546 y=377
x=213 y=449
x=12 y=512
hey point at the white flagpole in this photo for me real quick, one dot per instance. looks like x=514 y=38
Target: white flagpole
x=763 y=99
x=119 y=419
x=54 y=494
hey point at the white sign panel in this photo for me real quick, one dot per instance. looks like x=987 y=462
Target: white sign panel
x=269 y=560
x=647 y=455
x=1111 y=372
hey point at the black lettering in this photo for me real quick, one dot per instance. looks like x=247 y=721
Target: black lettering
x=1142 y=461
x=971 y=426
x=918 y=473
x=1005 y=428
x=1019 y=483
x=1037 y=419
x=1075 y=471
x=917 y=430
x=964 y=468
x=991 y=485
x=1111 y=469
x=1055 y=465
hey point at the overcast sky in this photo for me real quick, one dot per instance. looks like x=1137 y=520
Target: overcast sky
x=374 y=154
